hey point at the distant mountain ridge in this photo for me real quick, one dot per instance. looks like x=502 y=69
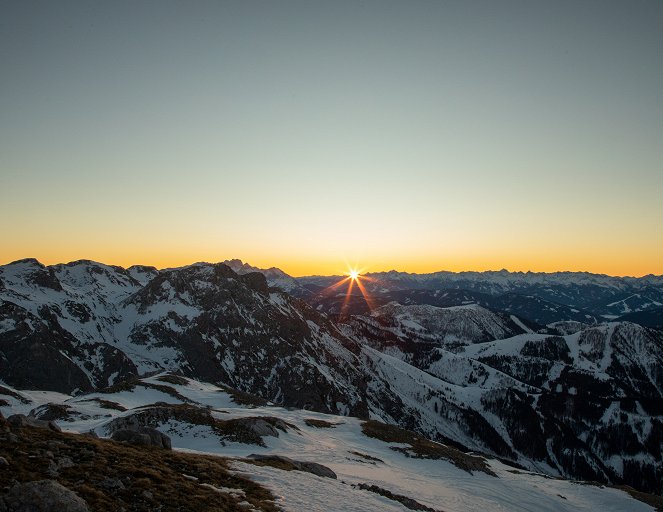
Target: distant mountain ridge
x=595 y=295
x=540 y=297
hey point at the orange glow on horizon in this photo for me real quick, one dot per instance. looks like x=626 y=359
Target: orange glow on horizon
x=613 y=264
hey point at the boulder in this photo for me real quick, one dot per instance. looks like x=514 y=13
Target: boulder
x=131 y=437
x=21 y=420
x=42 y=496
x=316 y=469
x=143 y=436
x=157 y=438
x=266 y=426
x=18 y=420
x=308 y=467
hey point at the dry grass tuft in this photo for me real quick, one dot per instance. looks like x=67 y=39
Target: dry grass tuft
x=244 y=398
x=8 y=392
x=366 y=456
x=312 y=422
x=652 y=500
x=422 y=448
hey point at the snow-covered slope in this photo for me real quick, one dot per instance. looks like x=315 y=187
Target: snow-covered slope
x=450 y=327
x=586 y=404
x=376 y=468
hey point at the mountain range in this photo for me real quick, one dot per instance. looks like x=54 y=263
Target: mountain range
x=560 y=374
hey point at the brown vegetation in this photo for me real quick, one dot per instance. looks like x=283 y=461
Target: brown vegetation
x=112 y=476
x=243 y=398
x=366 y=456
x=170 y=378
x=312 y=422
x=422 y=448
x=403 y=500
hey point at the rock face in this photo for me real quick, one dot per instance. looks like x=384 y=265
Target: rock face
x=262 y=426
x=42 y=496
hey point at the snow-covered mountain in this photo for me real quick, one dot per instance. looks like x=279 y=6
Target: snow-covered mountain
x=580 y=405
x=275 y=276
x=99 y=325
x=449 y=328
x=587 y=403
x=309 y=461
x=538 y=297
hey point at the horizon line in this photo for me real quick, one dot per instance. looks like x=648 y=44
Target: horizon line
x=651 y=274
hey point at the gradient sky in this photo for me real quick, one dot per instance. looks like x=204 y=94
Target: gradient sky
x=419 y=136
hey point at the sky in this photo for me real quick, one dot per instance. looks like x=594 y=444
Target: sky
x=415 y=135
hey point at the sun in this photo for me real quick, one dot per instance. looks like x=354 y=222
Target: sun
x=354 y=275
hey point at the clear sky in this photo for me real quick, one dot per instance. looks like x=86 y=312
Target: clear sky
x=413 y=135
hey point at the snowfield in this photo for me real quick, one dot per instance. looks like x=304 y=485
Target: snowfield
x=341 y=446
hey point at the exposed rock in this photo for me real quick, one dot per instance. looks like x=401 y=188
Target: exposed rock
x=18 y=420
x=111 y=476
x=268 y=426
x=158 y=439
x=403 y=500
x=54 y=466
x=131 y=437
x=42 y=496
x=21 y=420
x=112 y=484
x=256 y=281
x=143 y=436
x=288 y=463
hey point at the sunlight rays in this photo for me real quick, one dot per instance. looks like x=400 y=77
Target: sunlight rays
x=353 y=276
